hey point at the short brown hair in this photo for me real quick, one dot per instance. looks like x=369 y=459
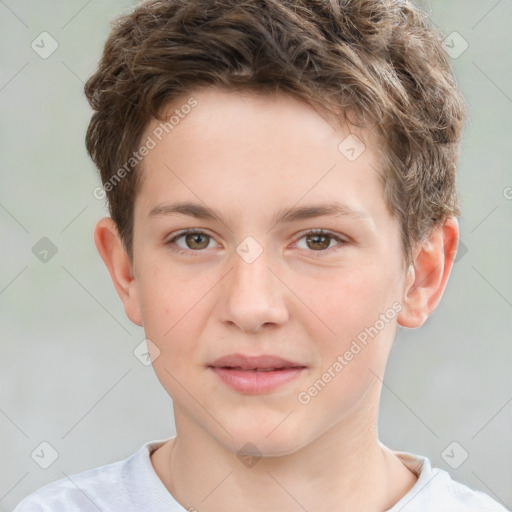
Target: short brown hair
x=379 y=61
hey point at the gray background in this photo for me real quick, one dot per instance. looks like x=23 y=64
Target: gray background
x=68 y=375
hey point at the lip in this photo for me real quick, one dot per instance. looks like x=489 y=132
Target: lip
x=245 y=373
x=246 y=362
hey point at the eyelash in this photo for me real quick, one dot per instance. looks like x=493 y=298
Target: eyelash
x=172 y=242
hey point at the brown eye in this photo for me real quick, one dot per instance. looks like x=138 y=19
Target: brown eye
x=197 y=241
x=318 y=242
x=192 y=242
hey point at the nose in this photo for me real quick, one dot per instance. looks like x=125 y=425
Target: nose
x=252 y=295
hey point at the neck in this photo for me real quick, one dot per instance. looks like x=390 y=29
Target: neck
x=326 y=473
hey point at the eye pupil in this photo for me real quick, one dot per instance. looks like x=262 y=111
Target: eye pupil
x=318 y=241
x=193 y=240
x=198 y=240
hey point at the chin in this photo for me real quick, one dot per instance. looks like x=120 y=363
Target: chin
x=257 y=442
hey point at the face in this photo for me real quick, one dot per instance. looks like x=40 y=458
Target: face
x=293 y=255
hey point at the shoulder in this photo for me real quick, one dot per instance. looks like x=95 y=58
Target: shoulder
x=81 y=491
x=105 y=488
x=456 y=496
x=436 y=491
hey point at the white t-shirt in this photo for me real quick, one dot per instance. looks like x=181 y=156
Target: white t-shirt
x=131 y=485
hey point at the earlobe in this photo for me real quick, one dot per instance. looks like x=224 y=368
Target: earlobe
x=117 y=261
x=428 y=274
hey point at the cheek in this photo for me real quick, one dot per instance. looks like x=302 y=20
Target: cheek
x=359 y=309
x=167 y=300
x=166 y=290
x=173 y=314
x=349 y=300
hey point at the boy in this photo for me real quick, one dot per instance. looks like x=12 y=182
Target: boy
x=281 y=184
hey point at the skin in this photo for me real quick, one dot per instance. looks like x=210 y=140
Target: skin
x=248 y=156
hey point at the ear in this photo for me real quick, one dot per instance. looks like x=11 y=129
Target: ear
x=428 y=274
x=117 y=261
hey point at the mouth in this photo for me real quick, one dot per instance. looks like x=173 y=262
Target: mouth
x=258 y=369
x=263 y=363
x=255 y=374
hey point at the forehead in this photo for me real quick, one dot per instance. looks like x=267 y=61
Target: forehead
x=213 y=106
x=252 y=149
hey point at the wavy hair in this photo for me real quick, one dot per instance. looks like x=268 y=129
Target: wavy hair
x=374 y=63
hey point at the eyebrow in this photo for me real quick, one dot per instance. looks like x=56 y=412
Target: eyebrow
x=284 y=215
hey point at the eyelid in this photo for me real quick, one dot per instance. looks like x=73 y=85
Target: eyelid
x=188 y=231
x=341 y=240
x=171 y=240
x=322 y=231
